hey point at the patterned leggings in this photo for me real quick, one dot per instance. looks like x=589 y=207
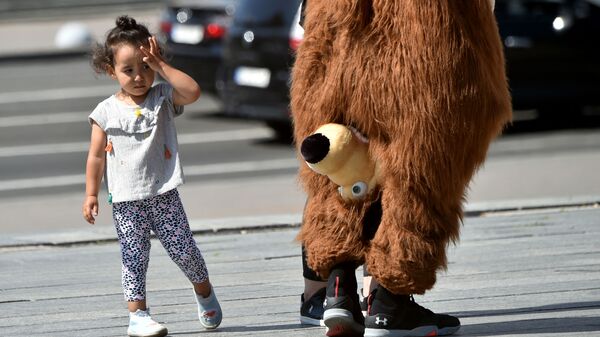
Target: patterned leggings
x=164 y=215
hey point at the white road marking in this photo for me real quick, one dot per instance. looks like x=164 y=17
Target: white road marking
x=185 y=138
x=56 y=94
x=238 y=167
x=226 y=135
x=41 y=149
x=189 y=171
x=44 y=119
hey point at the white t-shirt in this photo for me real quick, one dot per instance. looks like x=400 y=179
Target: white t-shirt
x=142 y=158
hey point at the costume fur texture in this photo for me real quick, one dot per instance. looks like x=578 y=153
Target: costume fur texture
x=425 y=82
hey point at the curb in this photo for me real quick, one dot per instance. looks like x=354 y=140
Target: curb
x=280 y=221
x=98 y=235
x=483 y=208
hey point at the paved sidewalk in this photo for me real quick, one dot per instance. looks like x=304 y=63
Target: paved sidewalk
x=65 y=227
x=35 y=37
x=521 y=273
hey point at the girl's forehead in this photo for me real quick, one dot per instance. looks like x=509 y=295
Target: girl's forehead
x=126 y=53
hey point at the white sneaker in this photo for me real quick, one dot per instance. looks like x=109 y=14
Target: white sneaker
x=209 y=310
x=142 y=325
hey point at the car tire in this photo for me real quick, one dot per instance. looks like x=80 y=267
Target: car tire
x=283 y=130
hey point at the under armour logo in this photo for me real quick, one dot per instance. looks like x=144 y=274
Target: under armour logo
x=380 y=321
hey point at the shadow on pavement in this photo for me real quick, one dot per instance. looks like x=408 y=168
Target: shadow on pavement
x=533 y=326
x=538 y=325
x=560 y=307
x=243 y=328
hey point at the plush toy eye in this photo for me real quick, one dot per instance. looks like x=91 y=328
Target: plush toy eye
x=359 y=189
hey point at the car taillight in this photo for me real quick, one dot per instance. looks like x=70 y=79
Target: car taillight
x=296 y=32
x=295 y=43
x=165 y=27
x=214 y=31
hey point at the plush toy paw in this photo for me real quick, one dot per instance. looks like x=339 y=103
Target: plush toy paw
x=342 y=154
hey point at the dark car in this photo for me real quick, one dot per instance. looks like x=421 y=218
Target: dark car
x=257 y=58
x=193 y=31
x=552 y=53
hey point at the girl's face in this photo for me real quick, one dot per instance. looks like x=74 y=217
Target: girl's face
x=134 y=76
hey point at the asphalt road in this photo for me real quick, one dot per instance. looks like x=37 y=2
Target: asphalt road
x=44 y=108
x=233 y=167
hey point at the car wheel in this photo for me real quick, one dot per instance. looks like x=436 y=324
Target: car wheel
x=560 y=115
x=283 y=130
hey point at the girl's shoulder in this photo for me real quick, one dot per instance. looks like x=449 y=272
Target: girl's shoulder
x=106 y=103
x=162 y=89
x=101 y=114
x=163 y=93
x=160 y=93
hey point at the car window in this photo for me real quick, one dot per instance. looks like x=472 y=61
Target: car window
x=541 y=7
x=532 y=7
x=255 y=13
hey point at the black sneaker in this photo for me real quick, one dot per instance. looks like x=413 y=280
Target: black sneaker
x=311 y=311
x=400 y=316
x=342 y=316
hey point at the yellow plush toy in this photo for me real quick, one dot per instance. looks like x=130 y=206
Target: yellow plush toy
x=342 y=154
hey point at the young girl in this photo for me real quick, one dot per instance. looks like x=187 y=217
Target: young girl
x=134 y=138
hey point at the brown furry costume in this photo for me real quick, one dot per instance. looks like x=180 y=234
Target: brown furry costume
x=424 y=80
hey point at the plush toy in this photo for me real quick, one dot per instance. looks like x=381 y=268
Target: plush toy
x=342 y=154
x=425 y=82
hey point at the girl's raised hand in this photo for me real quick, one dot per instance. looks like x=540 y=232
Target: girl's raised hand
x=152 y=55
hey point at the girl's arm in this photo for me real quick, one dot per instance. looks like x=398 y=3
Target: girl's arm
x=185 y=89
x=93 y=173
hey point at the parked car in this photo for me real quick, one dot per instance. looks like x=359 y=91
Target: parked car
x=257 y=58
x=193 y=31
x=552 y=52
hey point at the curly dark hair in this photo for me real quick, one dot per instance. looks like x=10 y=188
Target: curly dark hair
x=126 y=31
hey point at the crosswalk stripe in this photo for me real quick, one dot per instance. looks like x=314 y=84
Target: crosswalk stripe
x=185 y=138
x=189 y=171
x=44 y=119
x=56 y=94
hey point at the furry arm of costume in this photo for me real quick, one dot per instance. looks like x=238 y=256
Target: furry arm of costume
x=425 y=82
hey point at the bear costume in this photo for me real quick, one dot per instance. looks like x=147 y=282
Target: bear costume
x=425 y=83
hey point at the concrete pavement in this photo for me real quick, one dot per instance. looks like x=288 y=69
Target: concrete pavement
x=35 y=37
x=529 y=273
x=204 y=206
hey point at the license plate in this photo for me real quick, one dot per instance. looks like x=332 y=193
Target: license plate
x=188 y=34
x=252 y=77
